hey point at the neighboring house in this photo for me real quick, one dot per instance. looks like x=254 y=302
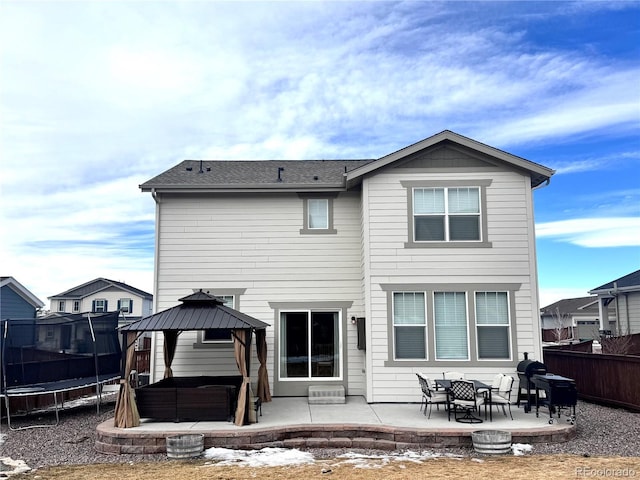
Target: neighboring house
x=16 y=301
x=427 y=254
x=101 y=296
x=622 y=296
x=572 y=319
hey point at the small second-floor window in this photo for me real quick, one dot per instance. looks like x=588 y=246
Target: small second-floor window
x=76 y=306
x=318 y=215
x=450 y=214
x=61 y=306
x=100 y=305
x=125 y=305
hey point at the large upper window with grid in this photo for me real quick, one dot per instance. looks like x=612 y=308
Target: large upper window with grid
x=443 y=213
x=449 y=214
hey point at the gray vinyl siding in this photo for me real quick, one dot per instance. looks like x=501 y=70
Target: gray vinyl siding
x=508 y=261
x=253 y=242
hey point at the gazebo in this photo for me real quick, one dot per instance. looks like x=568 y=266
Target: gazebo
x=199 y=311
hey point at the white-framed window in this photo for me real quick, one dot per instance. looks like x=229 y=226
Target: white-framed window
x=441 y=324
x=317 y=214
x=125 y=305
x=409 y=325
x=61 y=305
x=76 y=306
x=446 y=214
x=451 y=325
x=493 y=325
x=220 y=335
x=99 y=305
x=309 y=345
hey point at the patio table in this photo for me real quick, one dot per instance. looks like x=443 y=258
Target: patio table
x=481 y=387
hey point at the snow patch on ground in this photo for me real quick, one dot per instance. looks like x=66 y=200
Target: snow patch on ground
x=266 y=457
x=521 y=448
x=271 y=456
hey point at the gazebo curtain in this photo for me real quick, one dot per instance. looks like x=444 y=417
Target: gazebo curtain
x=241 y=344
x=170 y=343
x=126 y=413
x=264 y=392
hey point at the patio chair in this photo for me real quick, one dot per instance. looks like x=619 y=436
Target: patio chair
x=452 y=376
x=464 y=397
x=424 y=388
x=435 y=397
x=503 y=395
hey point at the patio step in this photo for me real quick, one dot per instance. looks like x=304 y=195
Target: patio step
x=326 y=394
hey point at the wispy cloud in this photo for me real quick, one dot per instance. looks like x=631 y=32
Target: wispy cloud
x=97 y=99
x=593 y=232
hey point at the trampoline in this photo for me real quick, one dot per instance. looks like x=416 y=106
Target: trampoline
x=58 y=353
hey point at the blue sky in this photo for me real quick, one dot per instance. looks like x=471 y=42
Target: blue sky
x=98 y=97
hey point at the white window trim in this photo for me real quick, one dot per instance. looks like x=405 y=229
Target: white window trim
x=433 y=321
x=508 y=326
x=306 y=229
x=470 y=289
x=311 y=378
x=425 y=326
x=481 y=184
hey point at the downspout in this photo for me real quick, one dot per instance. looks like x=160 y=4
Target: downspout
x=152 y=356
x=533 y=265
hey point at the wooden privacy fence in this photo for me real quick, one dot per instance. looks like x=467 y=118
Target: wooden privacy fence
x=602 y=378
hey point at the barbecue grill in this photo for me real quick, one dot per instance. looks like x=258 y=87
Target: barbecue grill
x=527 y=369
x=560 y=392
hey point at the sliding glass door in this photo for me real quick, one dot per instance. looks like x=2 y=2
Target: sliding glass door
x=310 y=345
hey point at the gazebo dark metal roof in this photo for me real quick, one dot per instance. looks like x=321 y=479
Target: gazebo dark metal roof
x=199 y=311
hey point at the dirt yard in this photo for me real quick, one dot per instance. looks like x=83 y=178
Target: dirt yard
x=495 y=468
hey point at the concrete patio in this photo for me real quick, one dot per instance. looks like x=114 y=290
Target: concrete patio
x=293 y=422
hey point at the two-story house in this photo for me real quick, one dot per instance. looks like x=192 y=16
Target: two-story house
x=101 y=296
x=427 y=254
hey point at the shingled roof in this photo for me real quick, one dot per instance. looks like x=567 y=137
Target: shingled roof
x=315 y=175
x=265 y=174
x=630 y=282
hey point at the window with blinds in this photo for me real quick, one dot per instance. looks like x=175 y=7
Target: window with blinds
x=450 y=319
x=448 y=214
x=409 y=325
x=493 y=325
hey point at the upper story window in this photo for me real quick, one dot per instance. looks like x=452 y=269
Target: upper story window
x=317 y=214
x=76 y=306
x=99 y=305
x=447 y=213
x=125 y=305
x=61 y=305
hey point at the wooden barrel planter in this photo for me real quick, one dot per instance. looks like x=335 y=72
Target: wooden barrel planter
x=491 y=441
x=185 y=446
